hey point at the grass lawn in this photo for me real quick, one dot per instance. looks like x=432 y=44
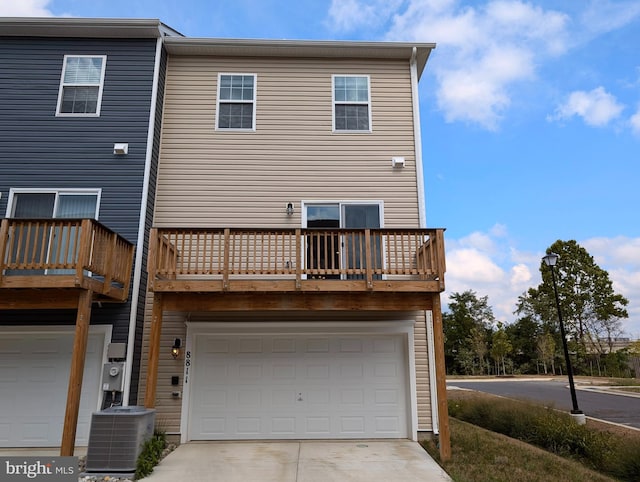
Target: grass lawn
x=479 y=455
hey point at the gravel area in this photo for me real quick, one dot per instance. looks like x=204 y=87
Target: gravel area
x=114 y=478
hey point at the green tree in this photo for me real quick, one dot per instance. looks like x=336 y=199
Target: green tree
x=523 y=336
x=591 y=310
x=466 y=312
x=477 y=341
x=500 y=348
x=546 y=350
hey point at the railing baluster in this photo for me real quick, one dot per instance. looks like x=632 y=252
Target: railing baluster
x=4 y=242
x=355 y=254
x=18 y=245
x=225 y=269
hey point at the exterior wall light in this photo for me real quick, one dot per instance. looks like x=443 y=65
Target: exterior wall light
x=175 y=349
x=289 y=209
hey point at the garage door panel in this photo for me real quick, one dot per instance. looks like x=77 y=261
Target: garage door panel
x=284 y=345
x=352 y=425
x=298 y=387
x=283 y=425
x=250 y=345
x=249 y=372
x=283 y=399
x=317 y=345
x=34 y=377
x=213 y=426
x=387 y=424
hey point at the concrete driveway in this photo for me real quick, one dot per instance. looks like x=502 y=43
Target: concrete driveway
x=308 y=461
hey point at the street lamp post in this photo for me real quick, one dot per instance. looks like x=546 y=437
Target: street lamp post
x=550 y=260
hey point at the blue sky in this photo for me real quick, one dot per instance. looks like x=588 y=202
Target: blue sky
x=530 y=118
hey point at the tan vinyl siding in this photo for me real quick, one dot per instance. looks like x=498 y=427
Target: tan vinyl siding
x=210 y=177
x=422 y=373
x=168 y=408
x=218 y=178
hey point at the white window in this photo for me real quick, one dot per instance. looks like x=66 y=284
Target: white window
x=236 y=107
x=351 y=106
x=81 y=85
x=46 y=204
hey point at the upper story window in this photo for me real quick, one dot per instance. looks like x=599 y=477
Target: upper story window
x=81 y=85
x=351 y=106
x=236 y=101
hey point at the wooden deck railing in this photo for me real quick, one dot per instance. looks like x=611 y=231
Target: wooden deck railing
x=188 y=258
x=63 y=253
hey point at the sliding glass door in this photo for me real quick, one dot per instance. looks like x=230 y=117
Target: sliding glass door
x=329 y=252
x=58 y=244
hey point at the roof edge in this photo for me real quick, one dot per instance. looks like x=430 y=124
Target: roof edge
x=299 y=48
x=85 y=27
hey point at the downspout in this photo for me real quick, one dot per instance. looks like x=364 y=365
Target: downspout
x=137 y=271
x=417 y=135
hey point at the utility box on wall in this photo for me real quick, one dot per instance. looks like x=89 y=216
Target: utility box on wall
x=113 y=377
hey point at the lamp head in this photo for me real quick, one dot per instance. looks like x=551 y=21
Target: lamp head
x=550 y=259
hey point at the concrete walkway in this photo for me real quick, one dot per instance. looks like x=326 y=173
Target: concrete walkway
x=308 y=461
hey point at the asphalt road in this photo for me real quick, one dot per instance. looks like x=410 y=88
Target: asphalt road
x=605 y=406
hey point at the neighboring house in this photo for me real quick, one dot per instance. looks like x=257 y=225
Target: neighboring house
x=608 y=345
x=79 y=135
x=290 y=263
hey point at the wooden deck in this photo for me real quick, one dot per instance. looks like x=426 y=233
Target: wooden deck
x=296 y=260
x=45 y=262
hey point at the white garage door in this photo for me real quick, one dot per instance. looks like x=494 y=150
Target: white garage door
x=288 y=386
x=34 y=378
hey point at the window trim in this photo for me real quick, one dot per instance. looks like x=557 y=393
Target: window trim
x=63 y=85
x=334 y=103
x=57 y=192
x=231 y=101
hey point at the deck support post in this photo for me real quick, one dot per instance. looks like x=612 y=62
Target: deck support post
x=441 y=380
x=75 y=376
x=154 y=351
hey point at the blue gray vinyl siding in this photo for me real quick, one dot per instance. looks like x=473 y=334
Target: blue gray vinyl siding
x=41 y=151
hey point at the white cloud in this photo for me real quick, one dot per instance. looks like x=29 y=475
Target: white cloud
x=486 y=49
x=25 y=8
x=472 y=265
x=596 y=107
x=347 y=15
x=603 y=16
x=483 y=50
x=520 y=275
x=620 y=256
x=634 y=121
x=478 y=262
x=477 y=240
x=618 y=251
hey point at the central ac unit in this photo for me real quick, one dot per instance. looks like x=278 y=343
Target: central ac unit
x=116 y=438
